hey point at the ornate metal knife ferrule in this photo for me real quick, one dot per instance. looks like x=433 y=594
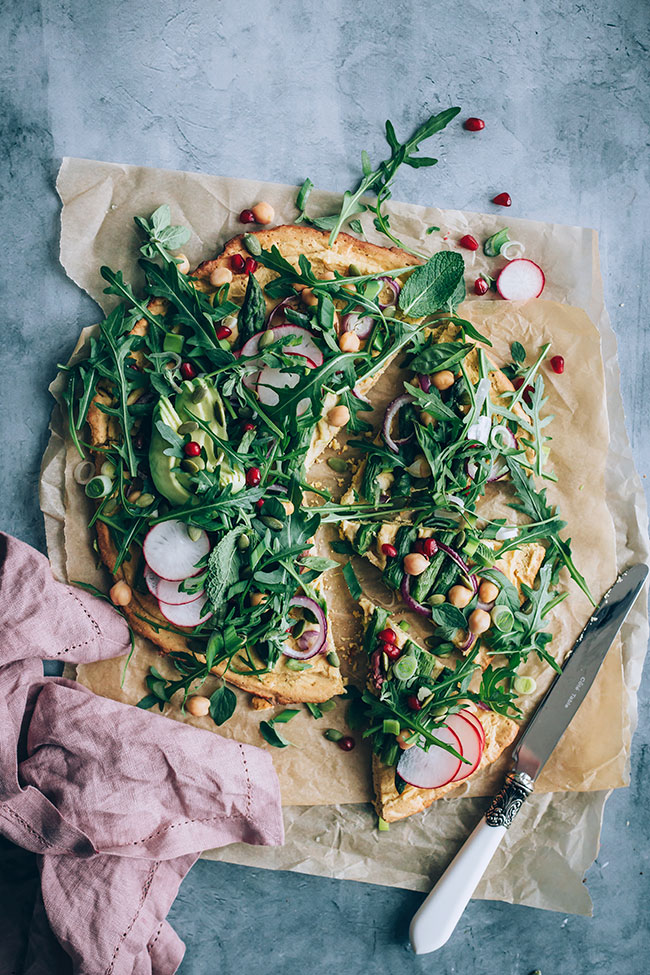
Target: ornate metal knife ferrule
x=505 y=806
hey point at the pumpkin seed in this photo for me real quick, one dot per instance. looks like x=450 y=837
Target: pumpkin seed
x=252 y=244
x=194 y=532
x=199 y=394
x=188 y=427
x=332 y=734
x=267 y=338
x=273 y=523
x=243 y=543
x=337 y=464
x=333 y=659
x=437 y=599
x=192 y=466
x=145 y=500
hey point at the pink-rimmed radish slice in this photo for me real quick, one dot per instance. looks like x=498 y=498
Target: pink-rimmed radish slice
x=168 y=591
x=520 y=280
x=476 y=722
x=471 y=743
x=305 y=347
x=270 y=380
x=187 y=614
x=170 y=552
x=432 y=769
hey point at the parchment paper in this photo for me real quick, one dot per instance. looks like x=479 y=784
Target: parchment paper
x=601 y=498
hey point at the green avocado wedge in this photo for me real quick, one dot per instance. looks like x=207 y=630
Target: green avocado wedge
x=170 y=480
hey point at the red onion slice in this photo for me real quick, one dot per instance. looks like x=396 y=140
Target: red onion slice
x=391 y=412
x=318 y=643
x=413 y=604
x=425 y=382
x=279 y=309
x=460 y=562
x=395 y=287
x=468 y=643
x=361 y=325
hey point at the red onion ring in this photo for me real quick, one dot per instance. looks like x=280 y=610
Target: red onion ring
x=460 y=562
x=425 y=382
x=405 y=590
x=391 y=412
x=468 y=642
x=278 y=308
x=361 y=325
x=486 y=606
x=319 y=642
x=395 y=287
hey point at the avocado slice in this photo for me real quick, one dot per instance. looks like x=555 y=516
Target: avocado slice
x=170 y=480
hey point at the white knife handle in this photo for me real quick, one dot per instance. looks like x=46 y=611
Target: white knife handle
x=436 y=919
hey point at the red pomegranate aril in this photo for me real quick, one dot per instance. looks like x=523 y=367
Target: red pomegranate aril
x=347 y=743
x=502 y=200
x=250 y=266
x=469 y=242
x=223 y=332
x=418 y=546
x=430 y=547
x=248 y=426
x=557 y=364
x=391 y=650
x=247 y=216
x=253 y=476
x=414 y=702
x=389 y=551
x=473 y=124
x=192 y=449
x=518 y=382
x=481 y=287
x=237 y=263
x=387 y=635
x=187 y=370
x=259 y=504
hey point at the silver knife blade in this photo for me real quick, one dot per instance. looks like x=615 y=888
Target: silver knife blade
x=569 y=689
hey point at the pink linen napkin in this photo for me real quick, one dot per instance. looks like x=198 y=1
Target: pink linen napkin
x=115 y=802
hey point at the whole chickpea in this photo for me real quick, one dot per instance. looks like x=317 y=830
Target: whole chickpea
x=263 y=212
x=460 y=596
x=426 y=419
x=197 y=705
x=308 y=297
x=349 y=342
x=479 y=621
x=487 y=591
x=220 y=276
x=182 y=263
x=327 y=276
x=443 y=379
x=338 y=416
x=401 y=739
x=257 y=598
x=121 y=594
x=415 y=564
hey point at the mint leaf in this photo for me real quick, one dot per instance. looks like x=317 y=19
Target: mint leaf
x=432 y=285
x=270 y=735
x=223 y=567
x=222 y=704
x=448 y=615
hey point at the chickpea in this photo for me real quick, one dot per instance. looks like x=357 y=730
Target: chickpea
x=349 y=342
x=308 y=297
x=479 y=621
x=460 y=596
x=220 y=276
x=133 y=496
x=298 y=287
x=443 y=379
x=197 y=705
x=263 y=212
x=288 y=507
x=328 y=276
x=487 y=591
x=257 y=598
x=182 y=263
x=426 y=419
x=338 y=416
x=415 y=564
x=121 y=594
x=401 y=739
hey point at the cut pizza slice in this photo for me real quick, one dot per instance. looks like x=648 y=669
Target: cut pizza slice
x=428 y=728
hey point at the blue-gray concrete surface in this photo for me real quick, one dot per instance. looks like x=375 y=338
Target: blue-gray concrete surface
x=280 y=91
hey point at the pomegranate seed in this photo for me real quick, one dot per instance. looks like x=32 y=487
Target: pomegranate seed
x=253 y=476
x=192 y=449
x=346 y=744
x=248 y=426
x=413 y=702
x=391 y=651
x=471 y=243
x=430 y=547
x=250 y=266
x=419 y=546
x=387 y=636
x=247 y=216
x=502 y=200
x=518 y=382
x=557 y=364
x=259 y=504
x=481 y=286
x=474 y=124
x=223 y=332
x=237 y=263
x=187 y=370
x=389 y=551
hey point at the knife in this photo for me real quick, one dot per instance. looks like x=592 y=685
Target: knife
x=436 y=919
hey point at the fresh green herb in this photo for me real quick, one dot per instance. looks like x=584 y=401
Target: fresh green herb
x=432 y=285
x=353 y=583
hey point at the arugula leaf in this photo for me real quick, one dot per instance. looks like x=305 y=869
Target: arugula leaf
x=353 y=583
x=318 y=563
x=432 y=285
x=222 y=704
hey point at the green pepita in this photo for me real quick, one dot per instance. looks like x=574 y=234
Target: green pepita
x=199 y=394
x=270 y=522
x=188 y=427
x=243 y=543
x=333 y=659
x=297 y=665
x=266 y=338
x=192 y=466
x=194 y=532
x=107 y=468
x=252 y=244
x=299 y=628
x=354 y=271
x=145 y=500
x=437 y=599
x=332 y=734
x=327 y=705
x=337 y=464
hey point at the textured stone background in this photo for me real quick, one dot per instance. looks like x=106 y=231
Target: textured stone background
x=280 y=91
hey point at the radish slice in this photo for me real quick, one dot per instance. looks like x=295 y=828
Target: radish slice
x=168 y=591
x=476 y=722
x=471 y=744
x=520 y=280
x=170 y=552
x=270 y=380
x=432 y=769
x=187 y=614
x=305 y=347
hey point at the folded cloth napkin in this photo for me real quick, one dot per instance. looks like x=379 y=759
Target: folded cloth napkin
x=115 y=802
